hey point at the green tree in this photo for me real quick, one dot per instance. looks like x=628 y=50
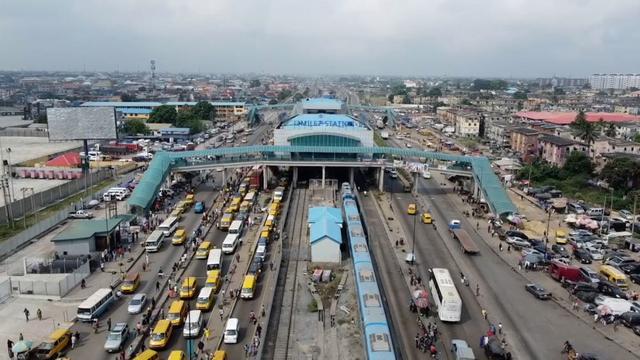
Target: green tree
x=203 y=110
x=164 y=114
x=466 y=102
x=434 y=92
x=611 y=130
x=187 y=119
x=484 y=84
x=621 y=173
x=127 y=97
x=254 y=83
x=406 y=99
x=578 y=163
x=134 y=127
x=636 y=138
x=282 y=95
x=399 y=89
x=520 y=95
x=585 y=130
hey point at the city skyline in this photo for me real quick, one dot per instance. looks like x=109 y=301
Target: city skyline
x=434 y=38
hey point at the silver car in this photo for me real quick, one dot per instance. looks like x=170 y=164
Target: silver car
x=117 y=337
x=137 y=303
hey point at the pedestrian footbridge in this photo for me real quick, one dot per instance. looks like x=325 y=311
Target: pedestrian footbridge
x=163 y=163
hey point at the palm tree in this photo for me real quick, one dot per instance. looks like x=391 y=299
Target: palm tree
x=611 y=130
x=585 y=130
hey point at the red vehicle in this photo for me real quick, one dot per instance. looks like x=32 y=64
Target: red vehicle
x=561 y=271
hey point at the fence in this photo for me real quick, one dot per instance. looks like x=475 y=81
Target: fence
x=46 y=198
x=24 y=132
x=5 y=289
x=49 y=285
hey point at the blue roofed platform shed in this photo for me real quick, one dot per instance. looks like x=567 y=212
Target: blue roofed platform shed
x=325 y=234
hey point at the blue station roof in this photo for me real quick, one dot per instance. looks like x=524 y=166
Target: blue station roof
x=321 y=104
x=309 y=121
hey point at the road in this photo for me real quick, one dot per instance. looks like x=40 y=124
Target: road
x=534 y=329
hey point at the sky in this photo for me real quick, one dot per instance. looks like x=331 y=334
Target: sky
x=492 y=38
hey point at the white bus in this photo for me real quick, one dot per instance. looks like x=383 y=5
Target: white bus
x=95 y=305
x=445 y=295
x=230 y=243
x=154 y=241
x=215 y=260
x=236 y=227
x=169 y=226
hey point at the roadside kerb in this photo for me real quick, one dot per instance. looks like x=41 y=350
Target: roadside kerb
x=528 y=280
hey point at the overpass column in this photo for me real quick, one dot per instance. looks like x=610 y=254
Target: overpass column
x=351 y=172
x=324 y=168
x=381 y=179
x=415 y=183
x=265 y=177
x=294 y=177
x=224 y=177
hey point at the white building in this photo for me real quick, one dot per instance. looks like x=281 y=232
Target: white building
x=323 y=130
x=325 y=234
x=467 y=123
x=614 y=81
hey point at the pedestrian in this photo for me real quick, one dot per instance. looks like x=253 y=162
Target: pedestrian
x=221 y=313
x=21 y=337
x=262 y=311
x=139 y=328
x=39 y=314
x=153 y=302
x=484 y=314
x=500 y=247
x=237 y=257
x=271 y=265
x=259 y=329
x=144 y=267
x=417 y=340
x=206 y=333
x=101 y=266
x=157 y=285
x=74 y=339
x=615 y=325
x=477 y=289
x=109 y=324
x=26 y=313
x=574 y=306
x=146 y=259
x=131 y=350
x=246 y=349
x=508 y=248
x=500 y=328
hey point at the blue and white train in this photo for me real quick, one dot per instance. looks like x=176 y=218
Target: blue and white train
x=374 y=320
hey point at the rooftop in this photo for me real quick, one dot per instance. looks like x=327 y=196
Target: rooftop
x=525 y=131
x=152 y=104
x=557 y=140
x=565 y=118
x=84 y=229
x=325 y=228
x=321 y=104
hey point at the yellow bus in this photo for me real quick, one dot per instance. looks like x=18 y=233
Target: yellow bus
x=248 y=287
x=205 y=299
x=177 y=312
x=188 y=288
x=130 y=283
x=160 y=336
x=176 y=355
x=147 y=355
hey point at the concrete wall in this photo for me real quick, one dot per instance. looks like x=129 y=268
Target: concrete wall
x=325 y=250
x=75 y=247
x=48 y=284
x=49 y=197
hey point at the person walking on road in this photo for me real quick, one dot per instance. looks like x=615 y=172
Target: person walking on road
x=484 y=314
x=74 y=339
x=500 y=328
x=221 y=314
x=109 y=324
x=477 y=289
x=262 y=311
x=246 y=349
x=157 y=285
x=26 y=314
x=39 y=314
x=207 y=333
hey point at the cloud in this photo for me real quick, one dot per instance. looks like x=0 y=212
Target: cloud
x=419 y=37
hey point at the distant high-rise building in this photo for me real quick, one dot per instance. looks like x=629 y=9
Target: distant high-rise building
x=561 y=82
x=614 y=81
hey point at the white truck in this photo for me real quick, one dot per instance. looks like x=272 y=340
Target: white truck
x=80 y=214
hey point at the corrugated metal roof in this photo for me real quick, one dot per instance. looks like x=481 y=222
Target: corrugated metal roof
x=84 y=229
x=325 y=228
x=318 y=213
x=131 y=104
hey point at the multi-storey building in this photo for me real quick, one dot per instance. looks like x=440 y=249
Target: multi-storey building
x=614 y=81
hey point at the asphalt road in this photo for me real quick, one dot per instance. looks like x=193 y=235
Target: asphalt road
x=91 y=345
x=535 y=329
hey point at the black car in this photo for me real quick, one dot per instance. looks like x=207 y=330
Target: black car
x=584 y=287
x=609 y=289
x=255 y=267
x=538 y=291
x=586 y=296
x=636 y=330
x=560 y=250
x=632 y=268
x=583 y=256
x=493 y=350
x=635 y=278
x=630 y=319
x=516 y=233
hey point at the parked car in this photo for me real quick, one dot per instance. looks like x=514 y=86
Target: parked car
x=538 y=291
x=631 y=268
x=630 y=319
x=517 y=242
x=560 y=250
x=607 y=288
x=596 y=254
x=137 y=303
x=583 y=287
x=626 y=214
x=117 y=337
x=618 y=261
x=81 y=214
x=611 y=253
x=516 y=233
x=575 y=208
x=589 y=275
x=583 y=256
x=635 y=278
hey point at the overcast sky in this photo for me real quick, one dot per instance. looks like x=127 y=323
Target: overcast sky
x=504 y=38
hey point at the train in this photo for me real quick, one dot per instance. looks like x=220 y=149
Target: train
x=374 y=319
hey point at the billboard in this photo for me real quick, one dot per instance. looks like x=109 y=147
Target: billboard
x=82 y=123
